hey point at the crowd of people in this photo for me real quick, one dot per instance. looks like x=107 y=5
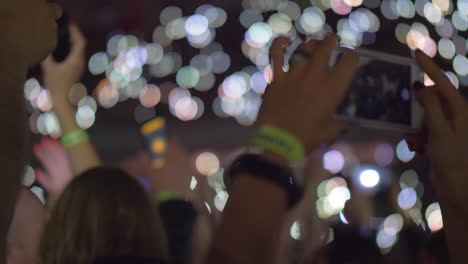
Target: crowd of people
x=98 y=213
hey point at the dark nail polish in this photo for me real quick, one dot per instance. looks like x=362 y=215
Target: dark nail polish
x=418 y=86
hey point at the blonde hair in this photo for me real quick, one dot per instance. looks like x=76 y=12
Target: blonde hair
x=103 y=212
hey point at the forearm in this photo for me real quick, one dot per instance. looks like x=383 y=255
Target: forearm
x=82 y=155
x=12 y=141
x=250 y=224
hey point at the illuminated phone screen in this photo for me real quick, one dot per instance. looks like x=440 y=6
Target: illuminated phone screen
x=381 y=91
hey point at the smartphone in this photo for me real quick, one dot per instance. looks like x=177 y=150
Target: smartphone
x=155 y=133
x=381 y=95
x=63 y=38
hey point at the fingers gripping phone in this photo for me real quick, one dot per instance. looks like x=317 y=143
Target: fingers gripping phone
x=381 y=95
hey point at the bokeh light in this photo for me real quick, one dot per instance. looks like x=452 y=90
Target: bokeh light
x=434 y=217
x=333 y=161
x=207 y=163
x=403 y=152
x=369 y=178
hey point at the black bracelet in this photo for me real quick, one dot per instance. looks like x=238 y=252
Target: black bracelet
x=256 y=166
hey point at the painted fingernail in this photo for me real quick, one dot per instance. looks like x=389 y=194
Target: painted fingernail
x=418 y=86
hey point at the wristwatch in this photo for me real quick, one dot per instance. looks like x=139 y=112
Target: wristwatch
x=259 y=167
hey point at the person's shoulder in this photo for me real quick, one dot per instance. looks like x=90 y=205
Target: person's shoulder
x=128 y=260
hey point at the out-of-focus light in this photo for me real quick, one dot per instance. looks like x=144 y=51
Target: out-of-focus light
x=445 y=28
x=185 y=109
x=217 y=17
x=340 y=7
x=258 y=82
x=353 y=3
x=32 y=89
x=462 y=6
x=163 y=68
x=295 y=230
x=401 y=31
x=369 y=178
x=409 y=179
x=460 y=65
x=343 y=219
x=203 y=63
x=333 y=161
x=207 y=164
x=39 y=192
x=427 y=80
x=383 y=155
x=169 y=13
x=386 y=240
x=160 y=36
x=234 y=87
x=432 y=13
x=290 y=8
x=249 y=17
x=393 y=224
x=280 y=23
x=85 y=117
x=44 y=102
x=220 y=200
x=206 y=82
x=193 y=183
x=403 y=152
x=460 y=44
x=434 y=217
x=259 y=34
x=150 y=95
x=453 y=79
x=446 y=48
x=108 y=96
x=202 y=40
x=112 y=45
x=52 y=125
x=196 y=25
x=188 y=77
x=337 y=198
x=88 y=101
x=155 y=53
x=312 y=20
x=221 y=62
x=98 y=63
x=405 y=8
x=29 y=176
x=176 y=29
x=459 y=21
x=389 y=9
x=407 y=198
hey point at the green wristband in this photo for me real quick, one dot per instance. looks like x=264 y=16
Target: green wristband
x=74 y=138
x=280 y=142
x=164 y=196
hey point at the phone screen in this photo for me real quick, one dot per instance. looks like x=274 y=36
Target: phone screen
x=381 y=91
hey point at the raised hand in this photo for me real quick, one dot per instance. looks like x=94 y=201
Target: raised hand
x=60 y=77
x=303 y=100
x=446 y=112
x=57 y=171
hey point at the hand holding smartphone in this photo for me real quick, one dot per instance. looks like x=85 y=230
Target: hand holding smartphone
x=380 y=96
